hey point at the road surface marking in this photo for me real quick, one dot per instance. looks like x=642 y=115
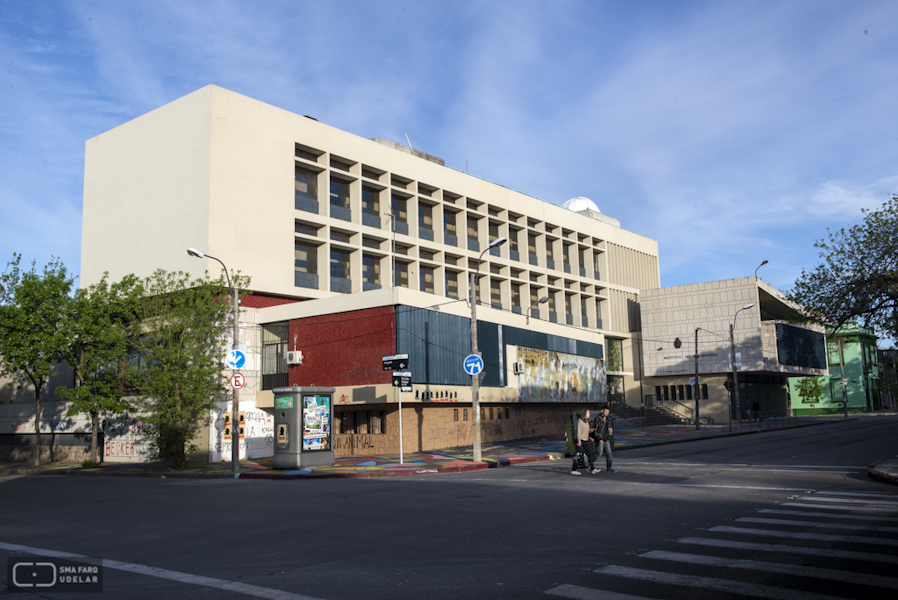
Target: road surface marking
x=712 y=583
x=854 y=539
x=801 y=513
x=222 y=584
x=770 y=567
x=581 y=593
x=888 y=511
x=849 y=526
x=804 y=550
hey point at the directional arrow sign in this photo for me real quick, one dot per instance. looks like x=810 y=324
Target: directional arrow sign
x=397 y=362
x=235 y=359
x=402 y=379
x=473 y=364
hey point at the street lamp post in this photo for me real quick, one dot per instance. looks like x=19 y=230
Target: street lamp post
x=235 y=407
x=542 y=300
x=475 y=378
x=759 y=266
x=697 y=386
x=735 y=370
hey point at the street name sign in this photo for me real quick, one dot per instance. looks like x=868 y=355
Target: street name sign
x=397 y=362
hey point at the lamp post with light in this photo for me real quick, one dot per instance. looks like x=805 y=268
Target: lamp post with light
x=759 y=266
x=542 y=300
x=736 y=370
x=235 y=407
x=475 y=378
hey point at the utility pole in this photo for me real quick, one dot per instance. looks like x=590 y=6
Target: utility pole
x=697 y=386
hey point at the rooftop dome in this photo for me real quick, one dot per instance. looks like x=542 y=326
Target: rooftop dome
x=580 y=204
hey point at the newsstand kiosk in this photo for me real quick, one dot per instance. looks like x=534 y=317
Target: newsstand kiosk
x=303 y=436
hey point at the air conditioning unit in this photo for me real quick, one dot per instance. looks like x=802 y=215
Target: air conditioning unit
x=294 y=357
x=518 y=367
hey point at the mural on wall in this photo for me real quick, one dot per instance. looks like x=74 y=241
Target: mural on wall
x=257 y=440
x=557 y=377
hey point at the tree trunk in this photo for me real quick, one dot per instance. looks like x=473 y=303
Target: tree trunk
x=94 y=428
x=37 y=425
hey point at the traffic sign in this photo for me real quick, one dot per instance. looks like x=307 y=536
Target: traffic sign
x=473 y=364
x=238 y=380
x=236 y=359
x=402 y=379
x=397 y=362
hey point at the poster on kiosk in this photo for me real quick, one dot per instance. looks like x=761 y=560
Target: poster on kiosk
x=303 y=427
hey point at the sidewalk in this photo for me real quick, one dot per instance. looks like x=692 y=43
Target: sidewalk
x=450 y=460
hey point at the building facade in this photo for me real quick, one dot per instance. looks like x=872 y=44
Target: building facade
x=696 y=329
x=851 y=349
x=363 y=248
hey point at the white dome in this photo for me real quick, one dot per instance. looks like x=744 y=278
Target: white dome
x=580 y=204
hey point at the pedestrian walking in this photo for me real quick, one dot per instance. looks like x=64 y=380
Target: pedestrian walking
x=603 y=432
x=584 y=444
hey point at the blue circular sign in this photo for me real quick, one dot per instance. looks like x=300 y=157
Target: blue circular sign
x=473 y=364
x=236 y=359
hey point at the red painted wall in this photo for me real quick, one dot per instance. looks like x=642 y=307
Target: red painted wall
x=343 y=349
x=263 y=301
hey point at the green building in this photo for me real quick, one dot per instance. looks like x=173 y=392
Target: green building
x=858 y=350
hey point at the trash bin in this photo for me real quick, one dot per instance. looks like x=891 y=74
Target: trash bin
x=303 y=436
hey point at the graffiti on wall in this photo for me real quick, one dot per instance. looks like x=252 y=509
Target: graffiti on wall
x=257 y=440
x=557 y=377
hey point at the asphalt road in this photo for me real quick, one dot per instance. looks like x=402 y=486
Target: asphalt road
x=783 y=514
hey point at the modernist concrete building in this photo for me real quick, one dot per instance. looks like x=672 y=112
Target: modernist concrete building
x=362 y=248
x=769 y=347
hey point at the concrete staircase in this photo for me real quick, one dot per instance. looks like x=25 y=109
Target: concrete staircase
x=654 y=415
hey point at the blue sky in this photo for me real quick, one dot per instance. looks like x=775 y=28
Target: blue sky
x=731 y=132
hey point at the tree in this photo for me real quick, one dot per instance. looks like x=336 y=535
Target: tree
x=34 y=327
x=858 y=279
x=101 y=319
x=179 y=348
x=810 y=389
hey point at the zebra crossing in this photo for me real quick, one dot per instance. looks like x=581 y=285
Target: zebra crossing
x=828 y=545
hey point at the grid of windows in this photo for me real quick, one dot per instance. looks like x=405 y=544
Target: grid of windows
x=438 y=216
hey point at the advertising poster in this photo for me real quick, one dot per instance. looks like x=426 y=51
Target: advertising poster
x=316 y=422
x=557 y=377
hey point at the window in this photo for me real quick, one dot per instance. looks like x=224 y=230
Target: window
x=516 y=295
x=455 y=414
x=426 y=254
x=494 y=232
x=531 y=244
x=427 y=279
x=552 y=303
x=370 y=201
x=366 y=172
x=370 y=243
x=306 y=258
x=568 y=308
x=704 y=391
x=465 y=414
x=339 y=164
x=452 y=284
x=339 y=193
x=306 y=228
x=472 y=229
x=401 y=276
x=371 y=269
x=681 y=392
x=496 y=293
x=400 y=209
x=306 y=189
x=449 y=219
x=513 y=240
x=339 y=263
x=425 y=216
x=550 y=255
x=274 y=355
x=340 y=236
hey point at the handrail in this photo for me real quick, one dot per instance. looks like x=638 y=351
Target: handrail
x=685 y=411
x=629 y=424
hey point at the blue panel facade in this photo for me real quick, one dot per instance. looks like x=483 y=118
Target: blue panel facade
x=437 y=344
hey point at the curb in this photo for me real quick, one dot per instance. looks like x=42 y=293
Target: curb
x=489 y=464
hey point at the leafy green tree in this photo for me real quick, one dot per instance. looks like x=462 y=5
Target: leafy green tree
x=34 y=330
x=810 y=389
x=858 y=279
x=177 y=369
x=101 y=319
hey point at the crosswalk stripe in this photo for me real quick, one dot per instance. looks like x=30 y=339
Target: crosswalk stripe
x=859 y=494
x=724 y=585
x=803 y=550
x=764 y=566
x=803 y=513
x=582 y=593
x=806 y=536
x=848 y=526
x=888 y=511
x=849 y=501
